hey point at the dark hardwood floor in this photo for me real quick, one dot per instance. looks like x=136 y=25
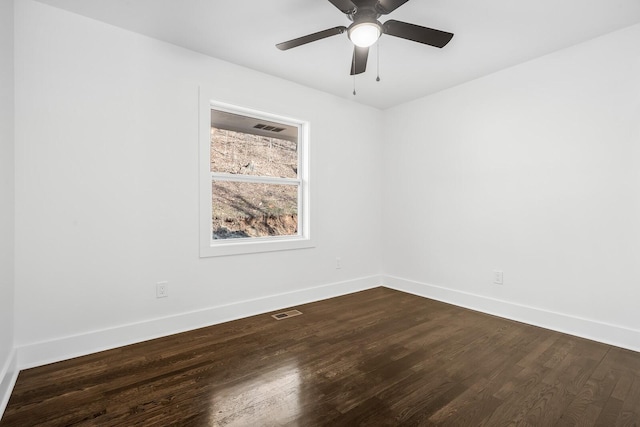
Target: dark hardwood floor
x=378 y=357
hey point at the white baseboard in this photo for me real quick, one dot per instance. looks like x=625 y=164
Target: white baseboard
x=618 y=336
x=8 y=377
x=42 y=353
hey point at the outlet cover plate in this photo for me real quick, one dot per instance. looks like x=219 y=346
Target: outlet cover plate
x=498 y=278
x=162 y=289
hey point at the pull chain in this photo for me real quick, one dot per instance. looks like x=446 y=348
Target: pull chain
x=378 y=60
x=353 y=70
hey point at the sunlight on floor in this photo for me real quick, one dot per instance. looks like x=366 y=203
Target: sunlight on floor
x=271 y=398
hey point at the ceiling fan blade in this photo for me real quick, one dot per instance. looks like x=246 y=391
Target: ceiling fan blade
x=359 y=62
x=311 y=38
x=416 y=33
x=385 y=7
x=344 y=5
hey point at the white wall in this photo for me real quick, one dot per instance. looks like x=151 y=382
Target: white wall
x=6 y=197
x=535 y=171
x=107 y=189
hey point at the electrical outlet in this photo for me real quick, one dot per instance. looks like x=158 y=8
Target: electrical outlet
x=162 y=289
x=498 y=277
x=338 y=263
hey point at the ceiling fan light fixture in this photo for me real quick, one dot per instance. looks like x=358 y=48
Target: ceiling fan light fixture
x=365 y=34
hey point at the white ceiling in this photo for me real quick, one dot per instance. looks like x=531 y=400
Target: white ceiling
x=489 y=35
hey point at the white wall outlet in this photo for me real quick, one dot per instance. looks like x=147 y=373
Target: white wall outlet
x=338 y=263
x=498 y=277
x=162 y=289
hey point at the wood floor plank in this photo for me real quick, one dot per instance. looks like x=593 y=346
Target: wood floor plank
x=609 y=414
x=378 y=357
x=630 y=412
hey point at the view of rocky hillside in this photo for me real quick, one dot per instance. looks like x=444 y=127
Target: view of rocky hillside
x=242 y=209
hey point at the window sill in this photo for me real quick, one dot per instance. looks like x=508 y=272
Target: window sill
x=250 y=246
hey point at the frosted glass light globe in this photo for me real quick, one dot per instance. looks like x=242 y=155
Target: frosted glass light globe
x=365 y=34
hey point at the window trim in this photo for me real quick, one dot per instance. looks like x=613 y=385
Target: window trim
x=224 y=247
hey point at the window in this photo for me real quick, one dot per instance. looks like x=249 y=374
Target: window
x=255 y=194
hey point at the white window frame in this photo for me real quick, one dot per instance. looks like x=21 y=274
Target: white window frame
x=223 y=247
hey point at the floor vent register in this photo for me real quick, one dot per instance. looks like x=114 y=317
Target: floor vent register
x=286 y=314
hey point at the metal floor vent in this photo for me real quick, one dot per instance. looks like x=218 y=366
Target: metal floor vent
x=286 y=314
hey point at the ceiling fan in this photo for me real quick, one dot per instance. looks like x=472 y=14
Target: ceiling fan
x=366 y=29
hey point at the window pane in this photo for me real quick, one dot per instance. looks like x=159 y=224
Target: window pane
x=248 y=154
x=242 y=209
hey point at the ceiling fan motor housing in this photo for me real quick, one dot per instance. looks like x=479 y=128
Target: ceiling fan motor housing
x=364 y=13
